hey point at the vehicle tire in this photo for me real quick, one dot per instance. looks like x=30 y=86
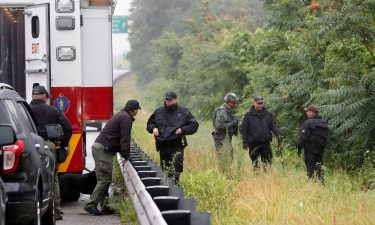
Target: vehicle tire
x=67 y=193
x=49 y=216
x=37 y=211
x=73 y=196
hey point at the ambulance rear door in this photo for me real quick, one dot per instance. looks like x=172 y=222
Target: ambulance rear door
x=37 y=49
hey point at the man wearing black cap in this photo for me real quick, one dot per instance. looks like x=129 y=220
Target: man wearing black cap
x=115 y=137
x=256 y=132
x=46 y=114
x=313 y=137
x=169 y=125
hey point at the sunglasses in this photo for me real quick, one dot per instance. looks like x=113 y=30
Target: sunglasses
x=260 y=103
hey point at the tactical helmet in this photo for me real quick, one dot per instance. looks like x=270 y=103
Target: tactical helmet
x=231 y=97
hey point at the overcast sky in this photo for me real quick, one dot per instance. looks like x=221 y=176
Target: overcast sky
x=120 y=41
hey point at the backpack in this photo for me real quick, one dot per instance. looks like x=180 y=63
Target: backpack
x=319 y=133
x=214 y=116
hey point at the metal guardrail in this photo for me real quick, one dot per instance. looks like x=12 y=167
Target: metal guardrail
x=155 y=198
x=147 y=211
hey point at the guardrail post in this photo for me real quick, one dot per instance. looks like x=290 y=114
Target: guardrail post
x=157 y=201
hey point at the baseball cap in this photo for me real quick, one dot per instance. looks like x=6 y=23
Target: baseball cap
x=313 y=108
x=39 y=90
x=133 y=104
x=170 y=95
x=258 y=99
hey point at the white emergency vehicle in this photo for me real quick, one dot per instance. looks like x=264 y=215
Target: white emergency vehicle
x=65 y=45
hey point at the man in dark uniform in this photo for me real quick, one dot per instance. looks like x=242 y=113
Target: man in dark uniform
x=256 y=132
x=169 y=125
x=46 y=114
x=313 y=137
x=115 y=137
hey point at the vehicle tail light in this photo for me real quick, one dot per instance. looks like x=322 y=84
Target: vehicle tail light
x=11 y=156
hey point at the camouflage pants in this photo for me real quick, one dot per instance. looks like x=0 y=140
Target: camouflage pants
x=103 y=168
x=223 y=142
x=56 y=185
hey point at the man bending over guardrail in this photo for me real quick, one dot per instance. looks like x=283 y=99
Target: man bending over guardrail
x=115 y=137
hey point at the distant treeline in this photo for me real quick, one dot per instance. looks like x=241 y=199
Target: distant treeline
x=293 y=52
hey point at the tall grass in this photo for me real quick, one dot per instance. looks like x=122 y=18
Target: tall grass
x=121 y=200
x=233 y=194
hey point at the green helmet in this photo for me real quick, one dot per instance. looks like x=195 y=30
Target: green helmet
x=231 y=97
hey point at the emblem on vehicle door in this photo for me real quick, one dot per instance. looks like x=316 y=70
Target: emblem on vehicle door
x=62 y=103
x=35 y=48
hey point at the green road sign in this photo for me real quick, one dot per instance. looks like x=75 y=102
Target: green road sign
x=120 y=24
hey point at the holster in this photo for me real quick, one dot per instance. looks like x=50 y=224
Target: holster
x=184 y=142
x=172 y=143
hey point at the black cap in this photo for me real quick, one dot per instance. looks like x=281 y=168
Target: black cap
x=258 y=99
x=39 y=90
x=170 y=95
x=312 y=108
x=133 y=104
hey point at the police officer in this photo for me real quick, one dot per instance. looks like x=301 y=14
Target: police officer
x=225 y=122
x=46 y=114
x=115 y=137
x=256 y=129
x=169 y=125
x=313 y=137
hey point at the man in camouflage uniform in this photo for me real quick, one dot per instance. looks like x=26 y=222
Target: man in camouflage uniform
x=225 y=123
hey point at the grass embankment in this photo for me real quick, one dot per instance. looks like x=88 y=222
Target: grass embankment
x=233 y=194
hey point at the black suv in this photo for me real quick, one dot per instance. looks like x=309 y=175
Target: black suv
x=7 y=137
x=27 y=166
x=3 y=200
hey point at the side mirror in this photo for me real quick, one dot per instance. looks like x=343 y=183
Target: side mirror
x=54 y=131
x=7 y=135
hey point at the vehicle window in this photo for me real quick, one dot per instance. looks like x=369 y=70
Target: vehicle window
x=35 y=26
x=29 y=121
x=8 y=115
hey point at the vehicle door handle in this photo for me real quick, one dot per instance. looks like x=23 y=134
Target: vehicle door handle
x=37 y=146
x=29 y=13
x=42 y=70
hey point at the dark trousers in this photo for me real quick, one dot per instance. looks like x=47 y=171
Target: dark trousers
x=172 y=161
x=314 y=164
x=263 y=150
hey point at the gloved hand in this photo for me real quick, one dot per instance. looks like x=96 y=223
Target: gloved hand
x=299 y=152
x=234 y=123
x=245 y=147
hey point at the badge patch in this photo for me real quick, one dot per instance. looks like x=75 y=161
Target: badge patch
x=62 y=103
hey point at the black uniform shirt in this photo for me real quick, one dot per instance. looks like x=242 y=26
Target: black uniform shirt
x=168 y=119
x=46 y=114
x=116 y=135
x=257 y=126
x=313 y=142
